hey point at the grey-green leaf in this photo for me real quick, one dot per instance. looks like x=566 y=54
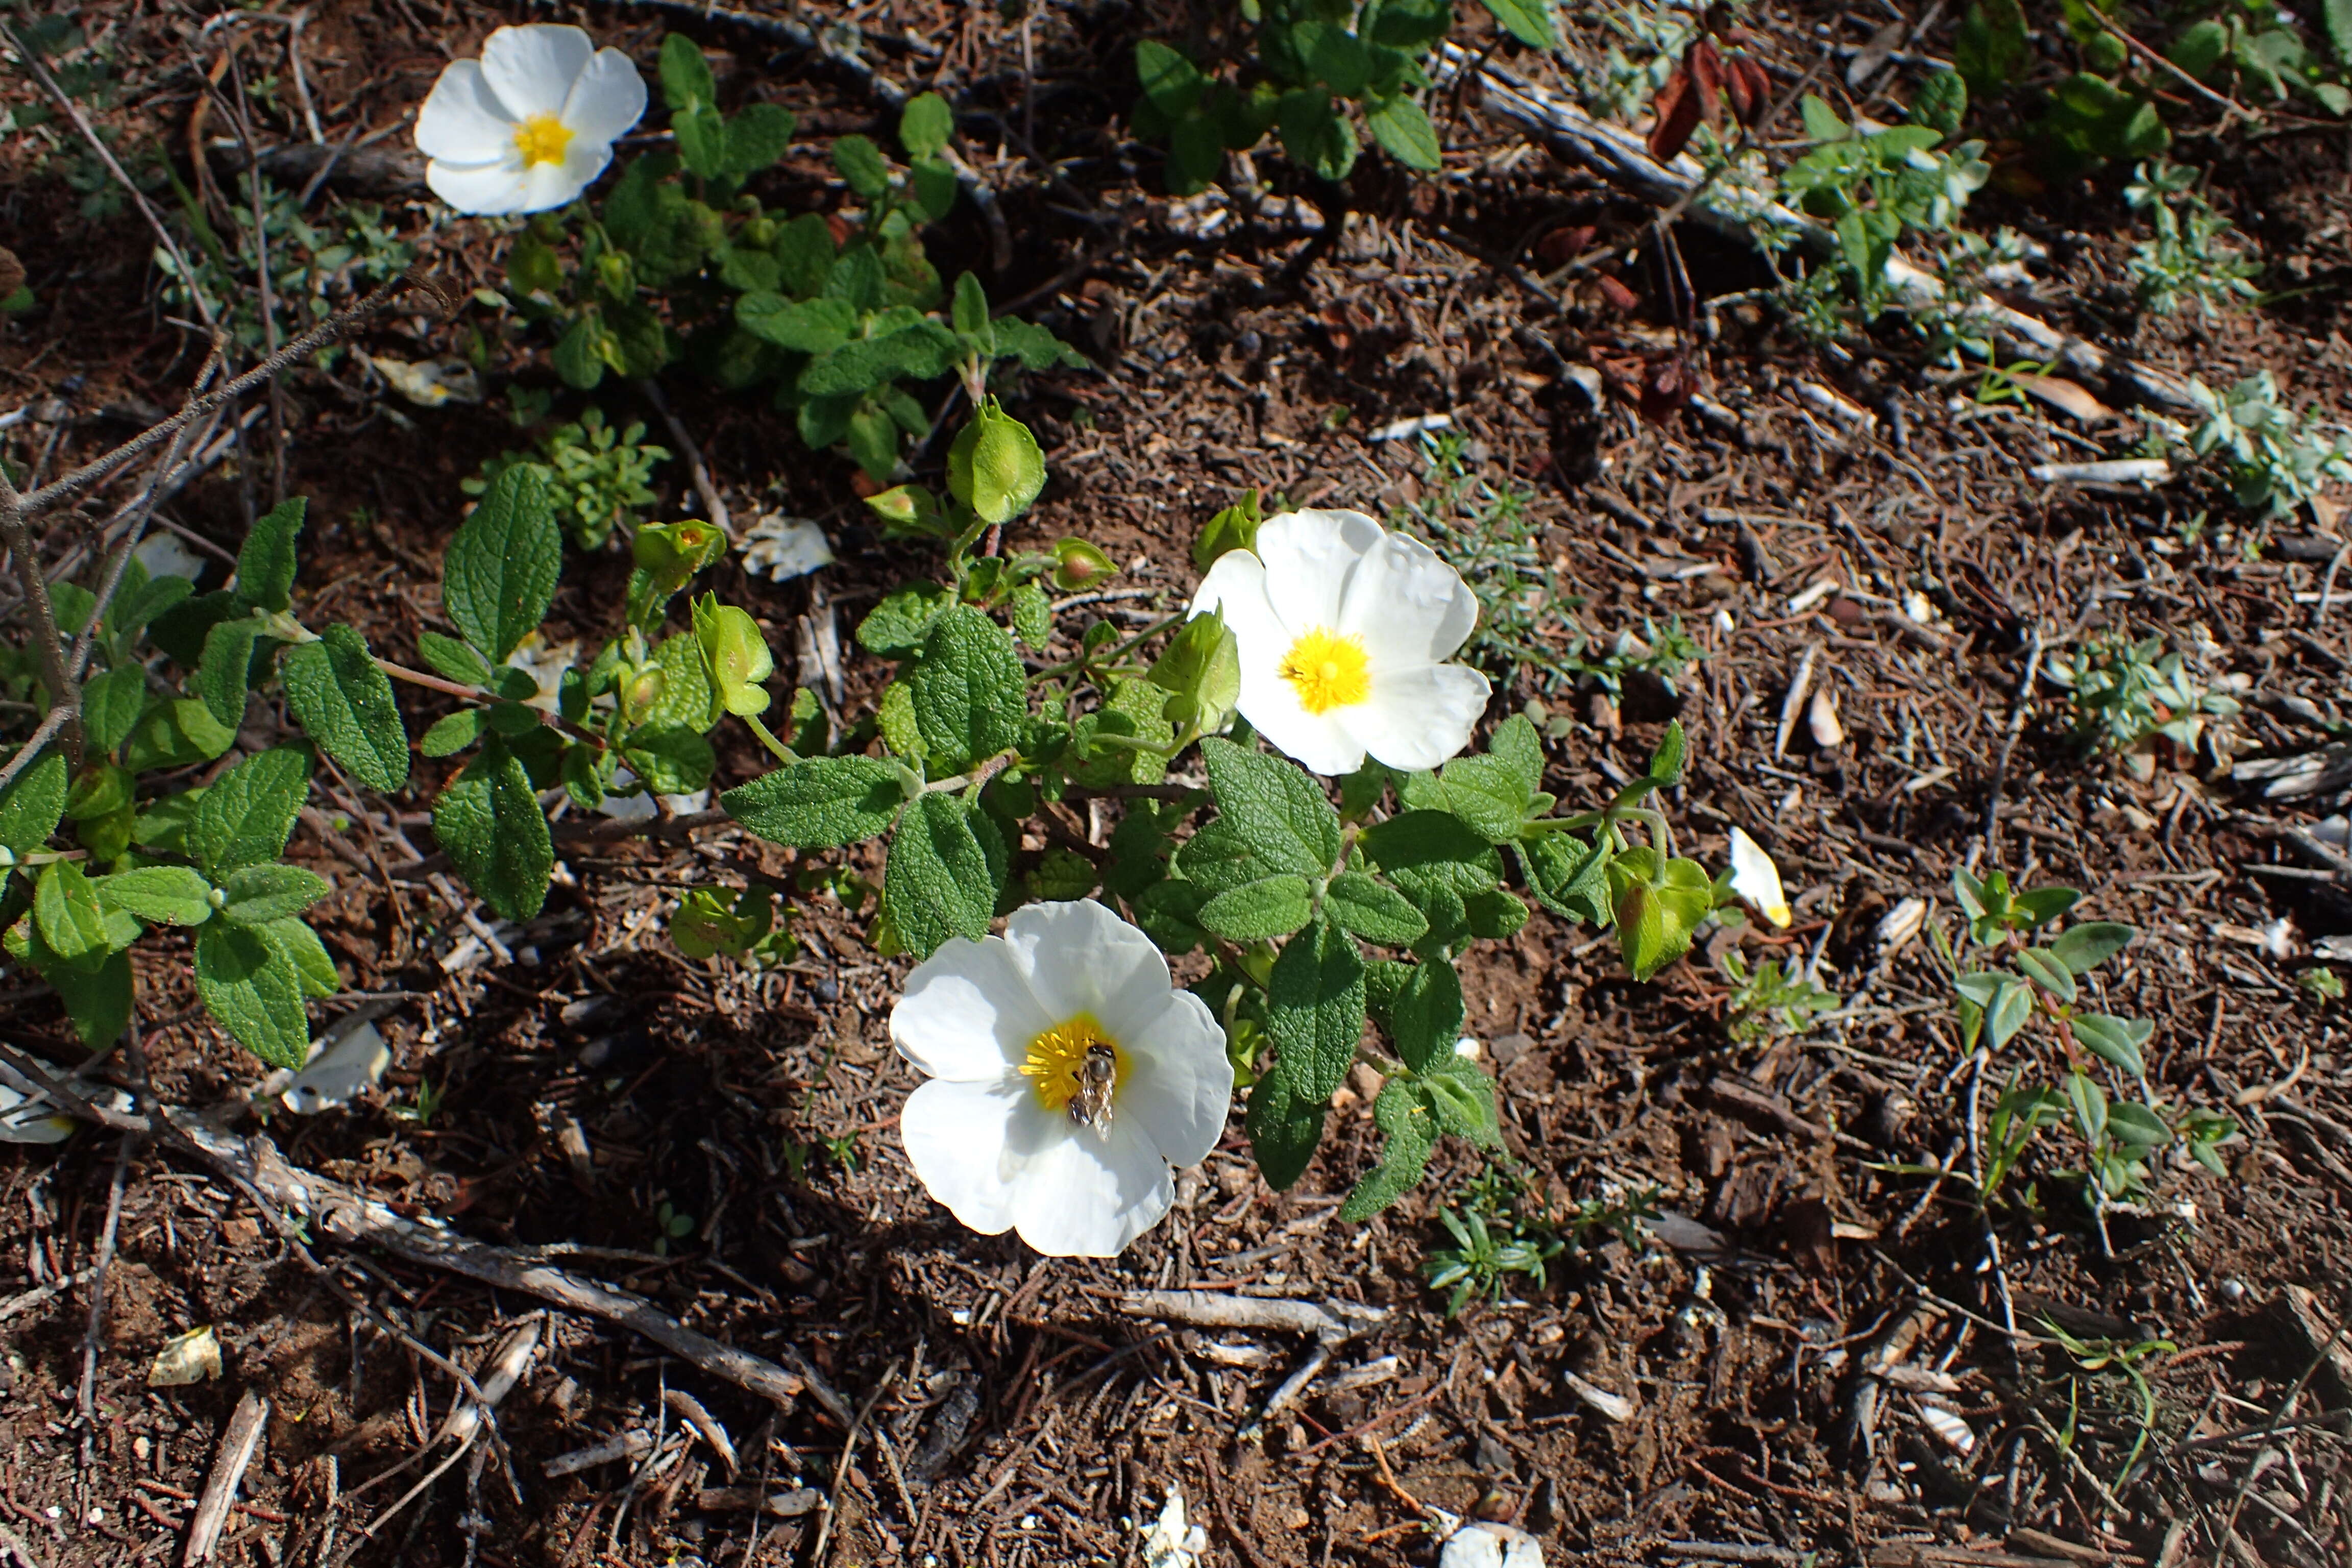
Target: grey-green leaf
x=1314 y=1008
x=453 y=658
x=252 y=988
x=671 y=760
x=969 y=693
x=498 y=575
x=259 y=894
x=946 y=865
x=345 y=702
x=33 y=804
x=2118 y=1040
x=223 y=673
x=1402 y=127
x=1426 y=1018
x=65 y=907
x=110 y=705
x=1529 y=21
x=453 y=732
x=491 y=825
x=246 y=814
x=1259 y=911
x=1274 y=805
x=822 y=803
x=163 y=895
x=1373 y=910
x=2083 y=948
x=265 y=567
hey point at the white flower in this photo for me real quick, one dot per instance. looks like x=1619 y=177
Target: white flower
x=1170 y=1542
x=1756 y=880
x=1010 y=1132
x=1345 y=629
x=530 y=124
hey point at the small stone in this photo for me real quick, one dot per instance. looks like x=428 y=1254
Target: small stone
x=1483 y=1544
x=1508 y=1048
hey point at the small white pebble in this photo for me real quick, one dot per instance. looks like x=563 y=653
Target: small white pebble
x=53 y=1511
x=1028 y=1521
x=97 y=1515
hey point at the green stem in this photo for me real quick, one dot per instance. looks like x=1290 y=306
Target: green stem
x=784 y=753
x=1146 y=635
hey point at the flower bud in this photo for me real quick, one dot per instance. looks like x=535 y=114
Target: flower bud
x=1079 y=565
x=641 y=693
x=736 y=653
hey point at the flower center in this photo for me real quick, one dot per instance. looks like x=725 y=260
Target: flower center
x=542 y=138
x=1329 y=671
x=1057 y=1060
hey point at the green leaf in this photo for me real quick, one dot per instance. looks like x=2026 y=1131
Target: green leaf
x=313 y=970
x=757 y=135
x=161 y=895
x=453 y=732
x=2121 y=1041
x=345 y=702
x=176 y=734
x=969 y=693
x=1315 y=135
x=265 y=567
x=1666 y=761
x=2011 y=1006
x=498 y=575
x=1402 y=1113
x=2043 y=968
x=1373 y=910
x=946 y=867
x=1990 y=49
x=686 y=76
x=1032 y=611
x=1284 y=1126
x=805 y=254
x=1314 y=1008
x=1426 y=1016
x=453 y=659
x=66 y=908
x=1168 y=912
x=925 y=125
x=2083 y=948
x=252 y=988
x=1821 y=122
x=247 y=816
x=132 y=611
x=994 y=464
x=1274 y=805
x=98 y=995
x=861 y=163
x=180 y=630
x=1222 y=856
x=1462 y=1098
x=110 y=705
x=1336 y=56
x=700 y=133
x=804 y=326
x=671 y=760
x=687 y=697
x=1402 y=127
x=259 y=894
x=224 y=675
x=2335 y=16
x=1942 y=103
x=1172 y=82
x=33 y=804
x=1529 y=21
x=491 y=823
x=1569 y=875
x=1260 y=910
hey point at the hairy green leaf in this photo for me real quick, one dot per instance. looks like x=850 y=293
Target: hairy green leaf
x=969 y=693
x=1259 y=911
x=498 y=574
x=259 y=894
x=1425 y=1015
x=33 y=804
x=490 y=821
x=946 y=867
x=110 y=705
x=265 y=567
x=246 y=814
x=1314 y=1008
x=163 y=895
x=1373 y=910
x=252 y=988
x=345 y=702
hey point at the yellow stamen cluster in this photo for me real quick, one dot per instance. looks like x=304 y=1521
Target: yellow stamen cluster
x=542 y=139
x=1328 y=670
x=1056 y=1055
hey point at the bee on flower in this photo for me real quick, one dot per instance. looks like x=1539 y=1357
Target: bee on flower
x=530 y=124
x=1345 y=631
x=1066 y=1076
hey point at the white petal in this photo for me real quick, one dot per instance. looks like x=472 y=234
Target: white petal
x=1180 y=1086
x=607 y=100
x=1080 y=957
x=485 y=190
x=1087 y=1194
x=1755 y=877
x=550 y=185
x=968 y=1013
x=1308 y=556
x=1237 y=585
x=955 y=1140
x=531 y=69
x=462 y=120
x=1410 y=607
x=1418 y=718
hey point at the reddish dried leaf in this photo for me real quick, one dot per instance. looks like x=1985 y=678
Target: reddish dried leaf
x=1668 y=388
x=1750 y=90
x=1677 y=109
x=1707 y=78
x=1562 y=245
x=1619 y=297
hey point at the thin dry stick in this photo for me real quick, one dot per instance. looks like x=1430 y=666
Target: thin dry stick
x=2007 y=744
x=841 y=1466
x=236 y=1450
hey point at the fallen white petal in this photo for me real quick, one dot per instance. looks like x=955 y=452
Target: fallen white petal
x=344 y=1065
x=193 y=1357
x=782 y=548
